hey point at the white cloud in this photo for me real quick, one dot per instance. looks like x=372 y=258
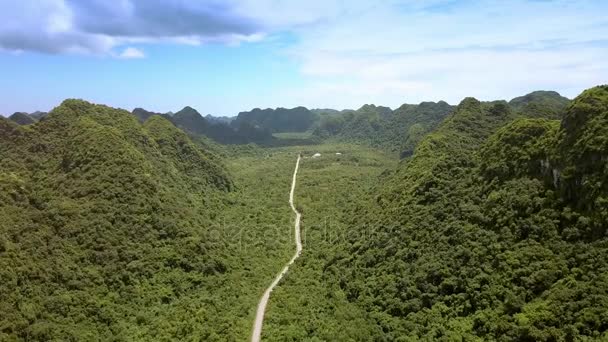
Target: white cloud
x=450 y=76
x=349 y=52
x=131 y=53
x=102 y=27
x=397 y=51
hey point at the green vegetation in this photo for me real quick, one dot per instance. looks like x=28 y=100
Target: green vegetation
x=22 y=118
x=293 y=135
x=309 y=305
x=493 y=226
x=402 y=129
x=191 y=121
x=495 y=229
x=285 y=139
x=298 y=119
x=114 y=230
x=395 y=131
x=541 y=104
x=142 y=115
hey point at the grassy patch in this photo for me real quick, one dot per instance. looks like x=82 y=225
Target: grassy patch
x=293 y=135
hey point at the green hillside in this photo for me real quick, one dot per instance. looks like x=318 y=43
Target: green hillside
x=192 y=122
x=111 y=231
x=541 y=104
x=396 y=131
x=22 y=118
x=278 y=120
x=495 y=229
x=142 y=115
x=123 y=227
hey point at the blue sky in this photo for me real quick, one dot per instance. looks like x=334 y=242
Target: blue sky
x=223 y=57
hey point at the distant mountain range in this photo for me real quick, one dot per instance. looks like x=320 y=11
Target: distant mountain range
x=219 y=119
x=397 y=130
x=298 y=119
x=219 y=129
x=23 y=118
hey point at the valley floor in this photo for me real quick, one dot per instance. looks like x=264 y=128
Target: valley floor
x=303 y=306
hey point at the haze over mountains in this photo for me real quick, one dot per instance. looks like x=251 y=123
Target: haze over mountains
x=397 y=130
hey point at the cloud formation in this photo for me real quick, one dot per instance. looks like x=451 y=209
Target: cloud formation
x=387 y=52
x=397 y=51
x=132 y=53
x=159 y=18
x=97 y=26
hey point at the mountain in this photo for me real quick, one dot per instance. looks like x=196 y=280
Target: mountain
x=104 y=225
x=22 y=118
x=377 y=126
x=218 y=119
x=142 y=115
x=382 y=111
x=401 y=130
x=38 y=115
x=326 y=111
x=545 y=104
x=495 y=229
x=365 y=123
x=413 y=122
x=191 y=121
x=298 y=119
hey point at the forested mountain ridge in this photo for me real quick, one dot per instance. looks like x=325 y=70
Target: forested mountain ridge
x=541 y=104
x=495 y=229
x=21 y=118
x=103 y=224
x=410 y=123
x=191 y=121
x=377 y=126
x=401 y=130
x=143 y=115
x=218 y=119
x=298 y=119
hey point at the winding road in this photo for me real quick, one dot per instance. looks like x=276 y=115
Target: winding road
x=259 y=316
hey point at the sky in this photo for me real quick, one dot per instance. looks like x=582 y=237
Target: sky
x=223 y=57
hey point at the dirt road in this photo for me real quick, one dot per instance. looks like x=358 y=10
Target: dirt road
x=259 y=316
